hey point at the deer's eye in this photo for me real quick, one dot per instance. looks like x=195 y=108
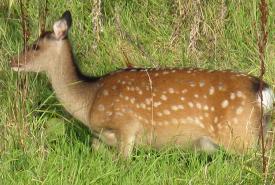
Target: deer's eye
x=35 y=47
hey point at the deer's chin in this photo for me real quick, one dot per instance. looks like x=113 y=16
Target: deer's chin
x=16 y=66
x=23 y=68
x=17 y=69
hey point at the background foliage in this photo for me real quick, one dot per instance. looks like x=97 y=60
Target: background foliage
x=142 y=33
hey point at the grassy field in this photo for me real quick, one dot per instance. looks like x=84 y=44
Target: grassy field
x=41 y=144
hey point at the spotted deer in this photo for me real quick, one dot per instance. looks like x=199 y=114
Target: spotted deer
x=184 y=107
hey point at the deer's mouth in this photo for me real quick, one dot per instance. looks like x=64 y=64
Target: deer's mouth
x=15 y=65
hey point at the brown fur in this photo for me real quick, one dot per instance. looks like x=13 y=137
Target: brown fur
x=131 y=98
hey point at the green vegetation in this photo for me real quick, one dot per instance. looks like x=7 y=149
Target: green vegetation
x=141 y=33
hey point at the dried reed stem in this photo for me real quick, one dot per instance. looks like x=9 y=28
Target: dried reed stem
x=195 y=26
x=269 y=145
x=24 y=22
x=22 y=83
x=179 y=19
x=152 y=105
x=122 y=35
x=43 y=12
x=223 y=10
x=262 y=40
x=222 y=14
x=97 y=22
x=129 y=38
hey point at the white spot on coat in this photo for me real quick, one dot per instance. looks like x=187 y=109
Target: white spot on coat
x=191 y=105
x=105 y=93
x=205 y=107
x=184 y=91
x=239 y=94
x=239 y=110
x=198 y=105
x=156 y=104
x=216 y=119
x=174 y=121
x=132 y=100
x=202 y=83
x=159 y=114
x=163 y=97
x=101 y=107
x=211 y=90
x=171 y=90
x=166 y=112
x=224 y=103
x=142 y=105
x=232 y=96
x=174 y=107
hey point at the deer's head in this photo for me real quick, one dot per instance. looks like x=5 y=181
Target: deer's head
x=46 y=51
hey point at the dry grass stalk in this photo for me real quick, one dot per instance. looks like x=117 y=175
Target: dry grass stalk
x=129 y=38
x=118 y=23
x=220 y=19
x=2 y=135
x=195 y=29
x=269 y=147
x=152 y=104
x=97 y=22
x=43 y=12
x=262 y=41
x=212 y=32
x=24 y=21
x=179 y=19
x=22 y=82
x=123 y=46
x=125 y=51
x=223 y=11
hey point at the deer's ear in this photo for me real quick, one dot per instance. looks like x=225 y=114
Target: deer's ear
x=62 y=26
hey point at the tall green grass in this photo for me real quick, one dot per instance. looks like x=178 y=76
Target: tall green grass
x=139 y=32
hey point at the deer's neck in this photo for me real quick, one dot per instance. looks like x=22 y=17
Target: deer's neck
x=75 y=94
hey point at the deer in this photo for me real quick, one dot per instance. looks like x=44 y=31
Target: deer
x=156 y=107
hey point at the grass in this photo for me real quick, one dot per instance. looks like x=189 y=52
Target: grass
x=138 y=32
